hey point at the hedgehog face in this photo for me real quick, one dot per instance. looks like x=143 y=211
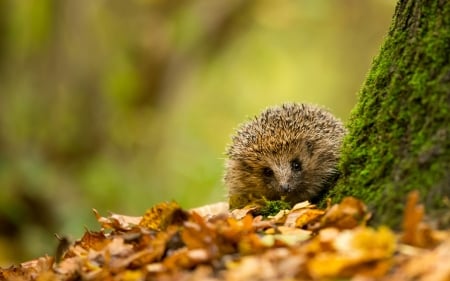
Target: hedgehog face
x=290 y=172
x=283 y=177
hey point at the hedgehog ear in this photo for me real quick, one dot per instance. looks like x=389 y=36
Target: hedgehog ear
x=309 y=147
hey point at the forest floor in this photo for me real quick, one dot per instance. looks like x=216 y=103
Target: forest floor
x=210 y=243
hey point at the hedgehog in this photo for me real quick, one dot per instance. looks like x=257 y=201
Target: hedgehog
x=288 y=152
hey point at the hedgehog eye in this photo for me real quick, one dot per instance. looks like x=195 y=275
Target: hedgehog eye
x=296 y=165
x=267 y=172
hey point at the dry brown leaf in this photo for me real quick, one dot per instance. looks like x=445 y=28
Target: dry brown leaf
x=236 y=229
x=153 y=246
x=280 y=217
x=186 y=259
x=241 y=213
x=211 y=210
x=348 y=214
x=363 y=251
x=415 y=231
x=302 y=217
x=303 y=205
x=116 y=221
x=90 y=240
x=30 y=270
x=430 y=265
x=253 y=268
x=160 y=216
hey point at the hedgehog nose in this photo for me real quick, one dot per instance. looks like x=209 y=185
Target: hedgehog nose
x=285 y=187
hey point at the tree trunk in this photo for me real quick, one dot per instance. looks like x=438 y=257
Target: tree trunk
x=399 y=131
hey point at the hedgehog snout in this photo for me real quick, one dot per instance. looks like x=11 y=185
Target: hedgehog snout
x=285 y=187
x=283 y=178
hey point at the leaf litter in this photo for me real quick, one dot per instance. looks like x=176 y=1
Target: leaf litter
x=211 y=243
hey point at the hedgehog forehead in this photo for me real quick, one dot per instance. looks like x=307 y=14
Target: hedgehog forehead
x=285 y=129
x=268 y=134
x=262 y=148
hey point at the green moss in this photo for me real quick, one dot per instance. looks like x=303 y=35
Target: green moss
x=272 y=208
x=399 y=131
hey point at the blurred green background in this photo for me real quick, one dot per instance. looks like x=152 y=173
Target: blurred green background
x=118 y=105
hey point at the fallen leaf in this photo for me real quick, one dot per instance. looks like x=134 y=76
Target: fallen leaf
x=116 y=221
x=159 y=217
x=212 y=210
x=363 y=251
x=415 y=231
x=348 y=214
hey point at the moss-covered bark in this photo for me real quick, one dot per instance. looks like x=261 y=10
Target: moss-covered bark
x=399 y=132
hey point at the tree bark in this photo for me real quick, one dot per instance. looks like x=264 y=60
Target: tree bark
x=399 y=131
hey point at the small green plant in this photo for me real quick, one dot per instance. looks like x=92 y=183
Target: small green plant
x=272 y=208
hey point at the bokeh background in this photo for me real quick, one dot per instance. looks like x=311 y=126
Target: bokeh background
x=118 y=105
